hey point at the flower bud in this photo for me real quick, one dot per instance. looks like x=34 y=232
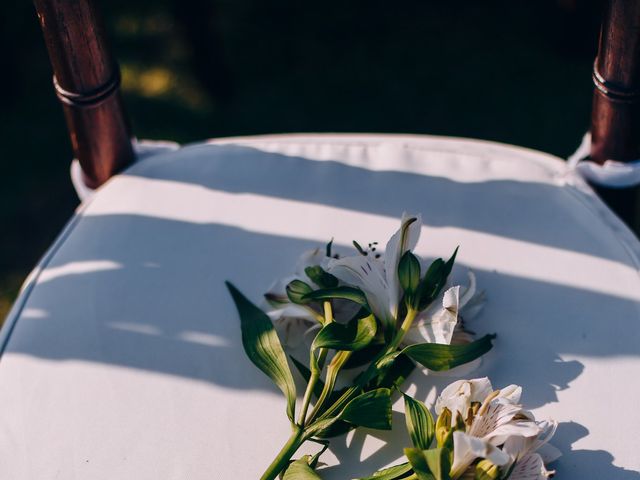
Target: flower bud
x=485 y=470
x=443 y=427
x=296 y=291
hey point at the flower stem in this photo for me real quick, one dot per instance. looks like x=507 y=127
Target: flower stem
x=315 y=372
x=404 y=328
x=282 y=459
x=370 y=373
x=315 y=375
x=332 y=373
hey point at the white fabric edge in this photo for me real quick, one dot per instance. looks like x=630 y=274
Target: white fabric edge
x=555 y=165
x=142 y=148
x=611 y=174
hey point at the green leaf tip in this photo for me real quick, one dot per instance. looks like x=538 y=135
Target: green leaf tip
x=371 y=409
x=420 y=424
x=262 y=345
x=320 y=277
x=300 y=470
x=439 y=357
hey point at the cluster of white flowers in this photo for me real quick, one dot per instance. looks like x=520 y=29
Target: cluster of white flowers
x=491 y=425
x=375 y=273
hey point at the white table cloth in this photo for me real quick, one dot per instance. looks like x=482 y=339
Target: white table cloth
x=122 y=357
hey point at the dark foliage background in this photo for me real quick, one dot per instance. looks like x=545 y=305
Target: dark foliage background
x=515 y=71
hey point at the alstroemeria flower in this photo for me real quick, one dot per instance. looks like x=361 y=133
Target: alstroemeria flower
x=489 y=422
x=459 y=395
x=441 y=321
x=379 y=280
x=294 y=322
x=530 y=454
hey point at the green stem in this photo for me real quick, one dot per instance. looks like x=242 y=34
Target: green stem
x=315 y=375
x=404 y=328
x=332 y=373
x=282 y=459
x=352 y=392
x=315 y=372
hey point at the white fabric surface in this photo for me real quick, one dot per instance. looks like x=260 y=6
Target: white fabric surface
x=610 y=174
x=122 y=355
x=142 y=149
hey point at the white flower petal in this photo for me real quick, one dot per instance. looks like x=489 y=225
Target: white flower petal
x=459 y=395
x=359 y=271
x=549 y=453
x=467 y=448
x=497 y=420
x=310 y=258
x=530 y=467
x=279 y=287
x=438 y=328
x=291 y=310
x=291 y=330
x=472 y=300
x=510 y=394
x=521 y=429
x=406 y=238
x=468 y=292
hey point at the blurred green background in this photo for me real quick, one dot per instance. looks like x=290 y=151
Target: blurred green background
x=515 y=71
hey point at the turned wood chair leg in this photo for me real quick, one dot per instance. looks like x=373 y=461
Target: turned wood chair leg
x=87 y=80
x=615 y=121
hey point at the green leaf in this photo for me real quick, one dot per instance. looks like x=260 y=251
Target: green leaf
x=449 y=265
x=336 y=429
x=371 y=409
x=434 y=280
x=353 y=336
x=430 y=284
x=409 y=273
x=364 y=356
x=396 y=373
x=320 y=427
x=347 y=293
x=438 y=461
x=420 y=424
x=392 y=473
x=313 y=461
x=328 y=248
x=321 y=278
x=300 y=470
x=297 y=291
x=418 y=463
x=438 y=357
x=262 y=346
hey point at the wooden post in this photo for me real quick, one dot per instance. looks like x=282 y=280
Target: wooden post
x=87 y=80
x=615 y=120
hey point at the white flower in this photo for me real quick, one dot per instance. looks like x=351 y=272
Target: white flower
x=490 y=422
x=294 y=322
x=530 y=454
x=458 y=396
x=440 y=321
x=379 y=280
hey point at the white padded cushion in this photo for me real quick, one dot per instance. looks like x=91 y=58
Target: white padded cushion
x=122 y=356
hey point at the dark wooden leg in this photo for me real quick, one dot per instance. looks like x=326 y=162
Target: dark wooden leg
x=87 y=80
x=615 y=122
